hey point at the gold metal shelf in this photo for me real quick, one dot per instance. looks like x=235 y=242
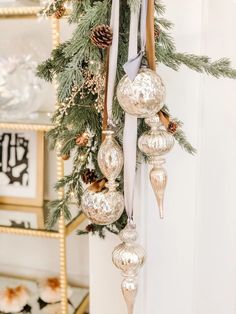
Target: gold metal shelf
x=42 y=122
x=83 y=306
x=19 y=12
x=71 y=226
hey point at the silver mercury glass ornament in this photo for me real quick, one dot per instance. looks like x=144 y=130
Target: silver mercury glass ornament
x=110 y=159
x=106 y=206
x=129 y=257
x=155 y=143
x=142 y=97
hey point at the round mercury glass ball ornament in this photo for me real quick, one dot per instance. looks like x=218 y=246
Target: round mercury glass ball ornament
x=102 y=208
x=142 y=97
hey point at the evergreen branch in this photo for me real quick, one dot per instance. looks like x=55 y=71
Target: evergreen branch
x=159 y=7
x=162 y=22
x=44 y=70
x=54 y=65
x=63 y=182
x=52 y=7
x=57 y=207
x=94 y=229
x=67 y=79
x=78 y=8
x=82 y=232
x=218 y=68
x=166 y=42
x=80 y=43
x=183 y=142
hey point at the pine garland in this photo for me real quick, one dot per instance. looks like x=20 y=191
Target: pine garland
x=78 y=66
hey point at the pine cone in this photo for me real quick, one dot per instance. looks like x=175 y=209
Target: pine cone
x=101 y=36
x=172 y=127
x=65 y=156
x=82 y=140
x=60 y=12
x=89 y=176
x=90 y=228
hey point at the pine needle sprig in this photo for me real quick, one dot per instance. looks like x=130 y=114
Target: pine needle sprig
x=56 y=208
x=218 y=68
x=78 y=9
x=80 y=42
x=166 y=42
x=164 y=23
x=183 y=142
x=52 y=7
x=160 y=8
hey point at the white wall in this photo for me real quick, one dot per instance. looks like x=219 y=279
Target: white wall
x=191 y=256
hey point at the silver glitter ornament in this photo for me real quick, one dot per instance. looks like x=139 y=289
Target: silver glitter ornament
x=102 y=208
x=129 y=257
x=155 y=143
x=142 y=97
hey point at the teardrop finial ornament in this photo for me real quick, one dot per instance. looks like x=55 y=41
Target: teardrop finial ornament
x=158 y=178
x=129 y=257
x=155 y=143
x=129 y=289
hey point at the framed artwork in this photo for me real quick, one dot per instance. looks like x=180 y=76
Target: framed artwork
x=21 y=167
x=21 y=216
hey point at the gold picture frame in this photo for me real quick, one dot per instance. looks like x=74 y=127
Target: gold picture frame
x=22 y=195
x=25 y=220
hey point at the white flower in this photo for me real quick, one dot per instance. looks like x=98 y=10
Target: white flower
x=49 y=290
x=13 y=300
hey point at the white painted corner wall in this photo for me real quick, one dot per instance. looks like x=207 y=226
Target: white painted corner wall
x=191 y=255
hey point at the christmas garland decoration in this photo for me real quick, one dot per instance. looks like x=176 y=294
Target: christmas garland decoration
x=81 y=69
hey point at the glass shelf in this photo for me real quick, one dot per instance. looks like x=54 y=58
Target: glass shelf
x=40 y=121
x=26 y=220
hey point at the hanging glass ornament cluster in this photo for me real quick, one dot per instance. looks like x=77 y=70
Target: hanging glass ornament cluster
x=141 y=94
x=144 y=98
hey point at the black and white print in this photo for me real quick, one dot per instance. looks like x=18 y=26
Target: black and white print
x=14 y=162
x=18 y=163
